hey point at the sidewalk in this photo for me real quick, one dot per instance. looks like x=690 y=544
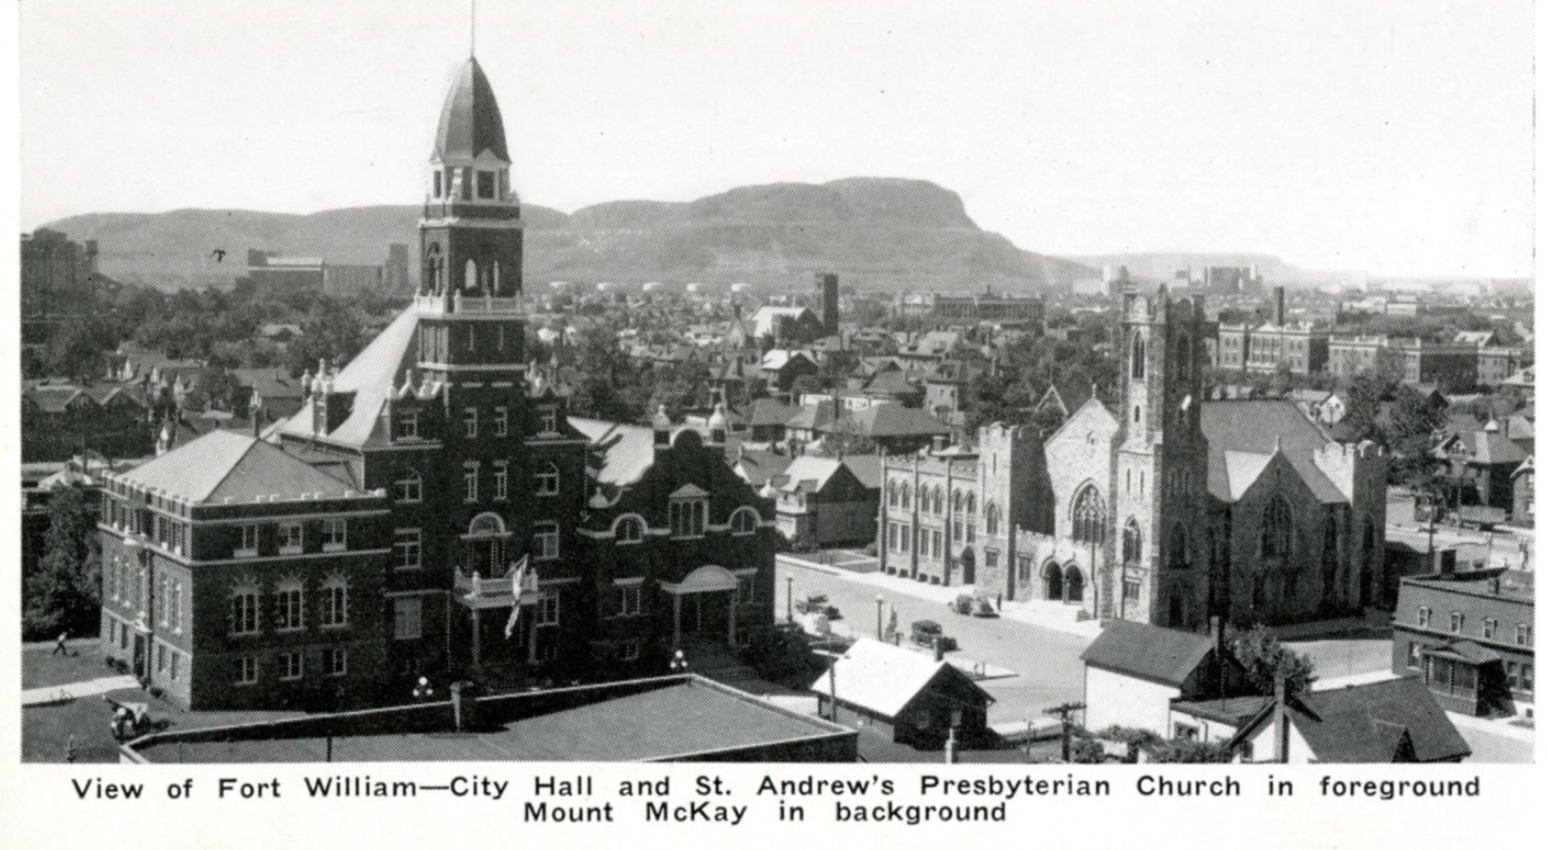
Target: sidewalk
x=76 y=690
x=1048 y=615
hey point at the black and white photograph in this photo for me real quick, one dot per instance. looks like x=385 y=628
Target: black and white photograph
x=1096 y=386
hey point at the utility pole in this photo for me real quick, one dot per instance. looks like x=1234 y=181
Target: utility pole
x=1064 y=711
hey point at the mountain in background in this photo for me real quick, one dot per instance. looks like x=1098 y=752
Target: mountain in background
x=876 y=233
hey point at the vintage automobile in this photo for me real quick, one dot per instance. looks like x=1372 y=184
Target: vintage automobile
x=930 y=633
x=816 y=602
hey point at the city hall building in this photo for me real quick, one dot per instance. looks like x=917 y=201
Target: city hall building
x=371 y=538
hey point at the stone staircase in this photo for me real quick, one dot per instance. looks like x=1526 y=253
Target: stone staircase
x=716 y=661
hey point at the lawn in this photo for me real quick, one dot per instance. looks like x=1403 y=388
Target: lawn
x=47 y=729
x=41 y=668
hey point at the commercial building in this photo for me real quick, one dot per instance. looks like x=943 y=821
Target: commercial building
x=1468 y=635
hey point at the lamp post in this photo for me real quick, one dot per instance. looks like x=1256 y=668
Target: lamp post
x=790 y=599
x=878 y=616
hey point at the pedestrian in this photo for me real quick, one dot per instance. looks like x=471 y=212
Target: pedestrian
x=60 y=647
x=70 y=750
x=999 y=602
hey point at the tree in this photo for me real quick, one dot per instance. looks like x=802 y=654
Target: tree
x=1364 y=395
x=1266 y=659
x=65 y=592
x=1415 y=421
x=77 y=349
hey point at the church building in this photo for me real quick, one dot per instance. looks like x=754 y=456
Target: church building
x=1170 y=510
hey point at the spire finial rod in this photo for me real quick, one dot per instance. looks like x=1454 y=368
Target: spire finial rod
x=472 y=27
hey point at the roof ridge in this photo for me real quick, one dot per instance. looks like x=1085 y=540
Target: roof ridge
x=234 y=464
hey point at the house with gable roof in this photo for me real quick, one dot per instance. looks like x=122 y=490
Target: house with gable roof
x=908 y=696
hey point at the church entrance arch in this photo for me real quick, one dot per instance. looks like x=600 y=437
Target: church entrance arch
x=1074 y=584
x=968 y=573
x=1053 y=582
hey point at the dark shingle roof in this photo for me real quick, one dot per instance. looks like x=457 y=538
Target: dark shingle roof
x=1365 y=723
x=1148 y=652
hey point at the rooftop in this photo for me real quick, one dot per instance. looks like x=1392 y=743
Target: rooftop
x=227 y=465
x=647 y=720
x=1148 y=652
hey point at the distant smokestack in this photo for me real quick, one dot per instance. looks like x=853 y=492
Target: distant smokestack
x=827 y=284
x=1279 y=305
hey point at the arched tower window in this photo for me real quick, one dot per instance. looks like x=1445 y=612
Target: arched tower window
x=1177 y=554
x=903 y=497
x=1277 y=529
x=470 y=275
x=991 y=518
x=1133 y=542
x=1088 y=515
x=1137 y=357
x=892 y=494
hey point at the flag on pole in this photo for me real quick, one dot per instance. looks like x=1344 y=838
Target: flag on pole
x=518 y=586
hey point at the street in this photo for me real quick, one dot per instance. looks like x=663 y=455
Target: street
x=1047 y=661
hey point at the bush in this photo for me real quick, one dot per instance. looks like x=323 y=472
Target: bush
x=778 y=653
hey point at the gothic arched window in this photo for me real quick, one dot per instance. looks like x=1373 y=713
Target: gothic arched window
x=1177 y=554
x=1088 y=515
x=1133 y=542
x=1137 y=357
x=991 y=518
x=1276 y=529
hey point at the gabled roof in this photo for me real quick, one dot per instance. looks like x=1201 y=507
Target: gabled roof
x=1374 y=723
x=1484 y=448
x=1262 y=426
x=812 y=472
x=225 y=465
x=1052 y=400
x=1148 y=652
x=470 y=118
x=777 y=358
x=883 y=678
x=757 y=466
x=370 y=376
x=895 y=420
x=866 y=468
x=767 y=411
x=891 y=383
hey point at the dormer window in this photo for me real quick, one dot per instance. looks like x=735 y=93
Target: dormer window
x=486 y=185
x=408 y=425
x=548 y=420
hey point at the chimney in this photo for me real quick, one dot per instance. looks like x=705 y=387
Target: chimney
x=827 y=284
x=1281 y=730
x=938 y=442
x=1279 y=305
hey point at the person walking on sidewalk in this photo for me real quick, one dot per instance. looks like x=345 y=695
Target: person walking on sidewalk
x=60 y=647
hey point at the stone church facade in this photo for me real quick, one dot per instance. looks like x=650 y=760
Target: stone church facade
x=1170 y=510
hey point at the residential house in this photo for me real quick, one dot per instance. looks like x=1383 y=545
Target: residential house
x=909 y=696
x=1134 y=671
x=823 y=502
x=1395 y=720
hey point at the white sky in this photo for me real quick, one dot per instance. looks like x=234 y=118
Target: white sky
x=1391 y=136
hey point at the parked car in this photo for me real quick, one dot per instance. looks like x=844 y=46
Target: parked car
x=816 y=602
x=929 y=632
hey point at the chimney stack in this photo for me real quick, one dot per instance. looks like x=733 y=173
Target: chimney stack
x=827 y=284
x=1279 y=306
